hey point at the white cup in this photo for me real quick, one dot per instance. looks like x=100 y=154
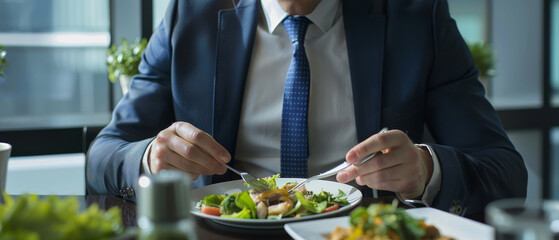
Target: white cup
x=5 y=150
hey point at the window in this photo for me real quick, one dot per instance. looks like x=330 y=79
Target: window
x=159 y=8
x=554 y=166
x=528 y=143
x=517 y=35
x=515 y=30
x=56 y=76
x=554 y=61
x=554 y=79
x=471 y=18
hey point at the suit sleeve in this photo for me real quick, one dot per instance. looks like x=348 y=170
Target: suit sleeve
x=114 y=160
x=478 y=162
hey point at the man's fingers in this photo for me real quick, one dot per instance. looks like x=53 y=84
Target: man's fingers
x=385 y=172
x=167 y=166
x=192 y=159
x=399 y=169
x=189 y=152
x=346 y=175
x=378 y=179
x=378 y=163
x=203 y=140
x=386 y=185
x=181 y=152
x=375 y=143
x=198 y=165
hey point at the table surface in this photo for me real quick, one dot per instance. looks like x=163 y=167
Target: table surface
x=207 y=229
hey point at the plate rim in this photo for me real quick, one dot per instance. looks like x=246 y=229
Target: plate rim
x=266 y=223
x=290 y=228
x=296 y=236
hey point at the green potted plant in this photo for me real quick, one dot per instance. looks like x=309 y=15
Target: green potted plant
x=484 y=58
x=3 y=61
x=123 y=61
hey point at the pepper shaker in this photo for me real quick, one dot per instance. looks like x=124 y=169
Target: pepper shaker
x=163 y=206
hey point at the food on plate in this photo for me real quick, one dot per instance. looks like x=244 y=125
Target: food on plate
x=276 y=203
x=31 y=217
x=382 y=221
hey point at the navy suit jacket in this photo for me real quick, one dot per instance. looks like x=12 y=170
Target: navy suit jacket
x=410 y=70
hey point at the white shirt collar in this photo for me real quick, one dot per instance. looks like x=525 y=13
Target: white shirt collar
x=323 y=15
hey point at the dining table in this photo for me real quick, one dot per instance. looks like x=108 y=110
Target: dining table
x=208 y=229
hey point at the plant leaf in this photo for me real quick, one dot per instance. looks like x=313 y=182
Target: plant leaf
x=125 y=59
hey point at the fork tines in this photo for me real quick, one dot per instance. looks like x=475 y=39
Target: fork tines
x=258 y=186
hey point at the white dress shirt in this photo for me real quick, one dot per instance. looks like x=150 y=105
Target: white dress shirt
x=331 y=117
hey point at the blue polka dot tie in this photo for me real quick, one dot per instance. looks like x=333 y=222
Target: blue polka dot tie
x=294 y=131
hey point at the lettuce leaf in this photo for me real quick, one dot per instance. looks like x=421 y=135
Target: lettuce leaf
x=340 y=199
x=228 y=206
x=245 y=214
x=212 y=200
x=270 y=181
x=383 y=219
x=244 y=201
x=29 y=217
x=311 y=205
x=238 y=202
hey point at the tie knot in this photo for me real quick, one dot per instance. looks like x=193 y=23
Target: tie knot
x=296 y=28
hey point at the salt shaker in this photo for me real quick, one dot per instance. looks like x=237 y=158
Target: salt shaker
x=163 y=206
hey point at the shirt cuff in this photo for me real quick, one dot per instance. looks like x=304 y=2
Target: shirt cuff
x=145 y=164
x=434 y=185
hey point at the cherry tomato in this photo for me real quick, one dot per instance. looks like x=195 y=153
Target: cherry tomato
x=210 y=210
x=332 y=208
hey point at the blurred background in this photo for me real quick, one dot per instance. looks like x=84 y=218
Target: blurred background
x=55 y=90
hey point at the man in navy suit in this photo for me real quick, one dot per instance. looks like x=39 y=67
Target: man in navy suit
x=211 y=85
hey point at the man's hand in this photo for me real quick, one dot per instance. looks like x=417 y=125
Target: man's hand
x=185 y=147
x=403 y=167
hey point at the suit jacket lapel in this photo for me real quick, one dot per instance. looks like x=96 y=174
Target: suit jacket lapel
x=235 y=37
x=364 y=24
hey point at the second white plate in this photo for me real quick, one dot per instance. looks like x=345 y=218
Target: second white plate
x=448 y=224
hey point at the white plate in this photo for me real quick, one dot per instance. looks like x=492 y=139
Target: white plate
x=448 y=224
x=354 y=196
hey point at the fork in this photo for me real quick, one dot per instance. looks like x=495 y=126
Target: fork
x=338 y=168
x=249 y=179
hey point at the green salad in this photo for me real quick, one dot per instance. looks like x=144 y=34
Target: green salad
x=31 y=217
x=385 y=221
x=277 y=203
